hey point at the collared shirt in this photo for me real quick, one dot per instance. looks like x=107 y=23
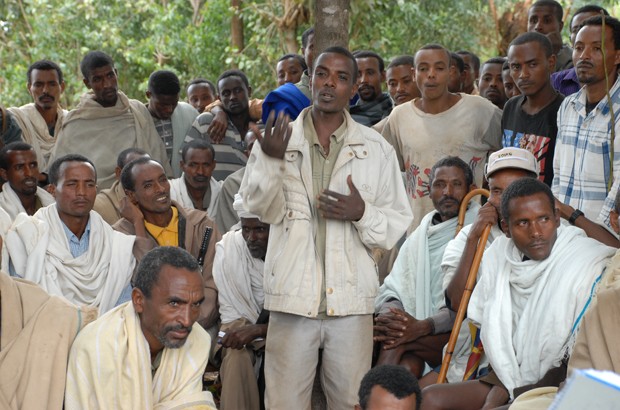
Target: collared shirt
x=322 y=168
x=582 y=155
x=77 y=246
x=166 y=235
x=565 y=81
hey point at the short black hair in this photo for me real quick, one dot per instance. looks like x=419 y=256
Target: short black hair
x=435 y=46
x=523 y=187
x=121 y=160
x=558 y=11
x=370 y=54
x=164 y=82
x=395 y=379
x=609 y=22
x=495 y=60
x=233 y=73
x=203 y=81
x=457 y=60
x=54 y=172
x=197 y=144
x=343 y=52
x=474 y=58
x=534 y=37
x=151 y=265
x=505 y=66
x=589 y=8
x=44 y=65
x=457 y=162
x=297 y=57
x=401 y=60
x=13 y=146
x=93 y=60
x=305 y=36
x=127 y=180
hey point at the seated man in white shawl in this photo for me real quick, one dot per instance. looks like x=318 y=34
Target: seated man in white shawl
x=532 y=293
x=106 y=122
x=148 y=353
x=196 y=188
x=66 y=248
x=238 y=274
x=40 y=120
x=20 y=168
x=413 y=323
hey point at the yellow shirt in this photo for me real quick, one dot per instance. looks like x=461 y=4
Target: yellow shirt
x=166 y=235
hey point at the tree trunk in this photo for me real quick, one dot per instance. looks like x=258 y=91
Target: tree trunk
x=331 y=24
x=236 y=26
x=295 y=14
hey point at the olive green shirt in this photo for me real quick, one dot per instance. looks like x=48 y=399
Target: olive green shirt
x=322 y=168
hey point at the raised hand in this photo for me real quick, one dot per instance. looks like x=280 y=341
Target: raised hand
x=277 y=135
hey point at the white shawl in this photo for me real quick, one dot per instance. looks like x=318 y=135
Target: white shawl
x=110 y=368
x=178 y=192
x=234 y=272
x=529 y=310
x=11 y=203
x=35 y=131
x=416 y=278
x=39 y=250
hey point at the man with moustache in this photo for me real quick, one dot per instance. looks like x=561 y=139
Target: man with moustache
x=331 y=191
x=529 y=121
x=148 y=353
x=439 y=124
x=41 y=120
x=413 y=323
x=196 y=188
x=582 y=166
x=238 y=274
x=20 y=168
x=373 y=104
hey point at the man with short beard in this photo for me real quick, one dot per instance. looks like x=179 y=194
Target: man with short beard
x=582 y=163
x=373 y=104
x=41 y=119
x=148 y=353
x=238 y=274
x=412 y=297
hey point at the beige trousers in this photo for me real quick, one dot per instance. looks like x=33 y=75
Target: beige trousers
x=291 y=356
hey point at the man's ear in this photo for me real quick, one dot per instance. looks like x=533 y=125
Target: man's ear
x=148 y=94
x=505 y=227
x=383 y=76
x=137 y=298
x=131 y=196
x=354 y=90
x=3 y=174
x=249 y=92
x=86 y=83
x=117 y=173
x=472 y=187
x=551 y=60
x=62 y=87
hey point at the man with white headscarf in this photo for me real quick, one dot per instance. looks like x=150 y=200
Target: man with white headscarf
x=238 y=274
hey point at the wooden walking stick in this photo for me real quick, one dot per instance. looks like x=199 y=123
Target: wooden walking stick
x=469 y=285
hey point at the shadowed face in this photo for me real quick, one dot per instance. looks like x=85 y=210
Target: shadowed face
x=448 y=189
x=256 y=235
x=22 y=172
x=45 y=89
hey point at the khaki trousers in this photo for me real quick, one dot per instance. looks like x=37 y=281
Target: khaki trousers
x=291 y=357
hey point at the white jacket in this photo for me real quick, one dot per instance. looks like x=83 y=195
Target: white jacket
x=280 y=193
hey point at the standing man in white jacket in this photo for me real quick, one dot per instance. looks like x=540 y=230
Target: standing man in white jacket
x=331 y=190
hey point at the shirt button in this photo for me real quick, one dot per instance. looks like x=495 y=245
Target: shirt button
x=290 y=214
x=330 y=291
x=330 y=312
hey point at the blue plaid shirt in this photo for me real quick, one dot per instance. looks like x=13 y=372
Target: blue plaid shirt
x=581 y=163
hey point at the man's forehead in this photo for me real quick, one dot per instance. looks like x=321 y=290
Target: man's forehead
x=141 y=170
x=334 y=62
x=542 y=11
x=404 y=69
x=199 y=153
x=44 y=73
x=14 y=156
x=491 y=68
x=231 y=82
x=367 y=61
x=432 y=56
x=592 y=33
x=172 y=281
x=77 y=167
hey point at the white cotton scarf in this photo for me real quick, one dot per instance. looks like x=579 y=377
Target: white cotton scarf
x=234 y=271
x=178 y=193
x=11 y=203
x=35 y=131
x=39 y=250
x=110 y=368
x=529 y=310
x=416 y=278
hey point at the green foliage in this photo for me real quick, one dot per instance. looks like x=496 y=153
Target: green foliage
x=146 y=35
